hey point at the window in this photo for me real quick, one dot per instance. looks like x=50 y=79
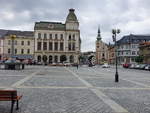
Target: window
x=15 y=51
x=73 y=36
x=22 y=51
x=50 y=36
x=69 y=37
x=28 y=43
x=56 y=36
x=9 y=50
x=133 y=52
x=103 y=55
x=69 y=46
x=22 y=42
x=39 y=46
x=61 y=46
x=56 y=59
x=45 y=36
x=61 y=36
x=50 y=46
x=73 y=46
x=71 y=59
x=39 y=35
x=28 y=51
x=44 y=45
x=56 y=46
x=9 y=42
x=15 y=42
x=39 y=58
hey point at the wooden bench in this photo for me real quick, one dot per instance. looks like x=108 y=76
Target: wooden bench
x=10 y=95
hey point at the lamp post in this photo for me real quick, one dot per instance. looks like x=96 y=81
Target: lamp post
x=115 y=32
x=12 y=44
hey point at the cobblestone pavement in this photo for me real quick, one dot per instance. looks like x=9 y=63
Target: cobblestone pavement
x=48 y=89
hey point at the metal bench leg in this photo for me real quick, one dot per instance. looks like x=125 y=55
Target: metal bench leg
x=12 y=105
x=17 y=105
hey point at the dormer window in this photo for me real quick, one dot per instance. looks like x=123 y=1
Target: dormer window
x=50 y=36
x=45 y=36
x=56 y=36
x=61 y=36
x=39 y=35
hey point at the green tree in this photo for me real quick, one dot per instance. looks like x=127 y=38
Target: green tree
x=63 y=58
x=139 y=59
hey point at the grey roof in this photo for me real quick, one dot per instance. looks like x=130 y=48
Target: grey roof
x=133 y=39
x=71 y=16
x=20 y=33
x=2 y=33
x=49 y=26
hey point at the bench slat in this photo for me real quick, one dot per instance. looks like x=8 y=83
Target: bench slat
x=8 y=95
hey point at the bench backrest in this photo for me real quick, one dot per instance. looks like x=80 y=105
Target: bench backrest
x=8 y=94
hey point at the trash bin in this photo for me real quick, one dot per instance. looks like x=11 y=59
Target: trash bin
x=22 y=66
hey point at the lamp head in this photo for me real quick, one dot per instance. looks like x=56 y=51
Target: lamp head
x=118 y=31
x=113 y=31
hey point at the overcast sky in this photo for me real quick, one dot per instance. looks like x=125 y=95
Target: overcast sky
x=131 y=16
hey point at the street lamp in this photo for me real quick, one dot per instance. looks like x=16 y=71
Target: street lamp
x=12 y=44
x=115 y=32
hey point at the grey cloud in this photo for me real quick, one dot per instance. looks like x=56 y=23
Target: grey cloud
x=131 y=16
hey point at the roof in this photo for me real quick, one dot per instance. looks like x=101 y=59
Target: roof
x=134 y=39
x=20 y=33
x=42 y=25
x=16 y=32
x=144 y=44
x=3 y=32
x=71 y=16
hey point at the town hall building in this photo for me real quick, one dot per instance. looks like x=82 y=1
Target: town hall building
x=56 y=42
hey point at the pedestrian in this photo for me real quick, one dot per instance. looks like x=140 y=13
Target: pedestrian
x=77 y=65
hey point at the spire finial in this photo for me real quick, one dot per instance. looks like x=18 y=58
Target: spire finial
x=99 y=33
x=99 y=29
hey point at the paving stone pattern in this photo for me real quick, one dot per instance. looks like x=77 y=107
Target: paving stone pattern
x=48 y=89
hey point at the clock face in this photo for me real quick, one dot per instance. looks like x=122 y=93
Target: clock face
x=51 y=26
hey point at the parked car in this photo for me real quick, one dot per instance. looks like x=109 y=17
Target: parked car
x=126 y=65
x=66 y=63
x=105 y=65
x=39 y=63
x=147 y=67
x=142 y=66
x=137 y=66
x=132 y=66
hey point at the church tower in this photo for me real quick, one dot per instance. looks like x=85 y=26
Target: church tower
x=101 y=49
x=99 y=34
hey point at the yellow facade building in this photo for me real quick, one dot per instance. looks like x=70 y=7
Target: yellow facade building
x=23 y=44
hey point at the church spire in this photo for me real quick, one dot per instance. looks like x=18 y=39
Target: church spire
x=99 y=34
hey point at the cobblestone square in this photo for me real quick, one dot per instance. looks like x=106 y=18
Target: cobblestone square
x=49 y=89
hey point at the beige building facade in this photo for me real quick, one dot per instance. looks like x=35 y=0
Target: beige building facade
x=56 y=42
x=111 y=54
x=23 y=45
x=144 y=50
x=101 y=50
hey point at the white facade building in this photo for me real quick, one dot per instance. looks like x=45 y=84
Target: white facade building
x=57 y=42
x=128 y=47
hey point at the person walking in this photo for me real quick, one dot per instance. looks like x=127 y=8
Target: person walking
x=77 y=65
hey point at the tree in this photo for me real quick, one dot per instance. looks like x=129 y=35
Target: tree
x=45 y=58
x=139 y=59
x=63 y=58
